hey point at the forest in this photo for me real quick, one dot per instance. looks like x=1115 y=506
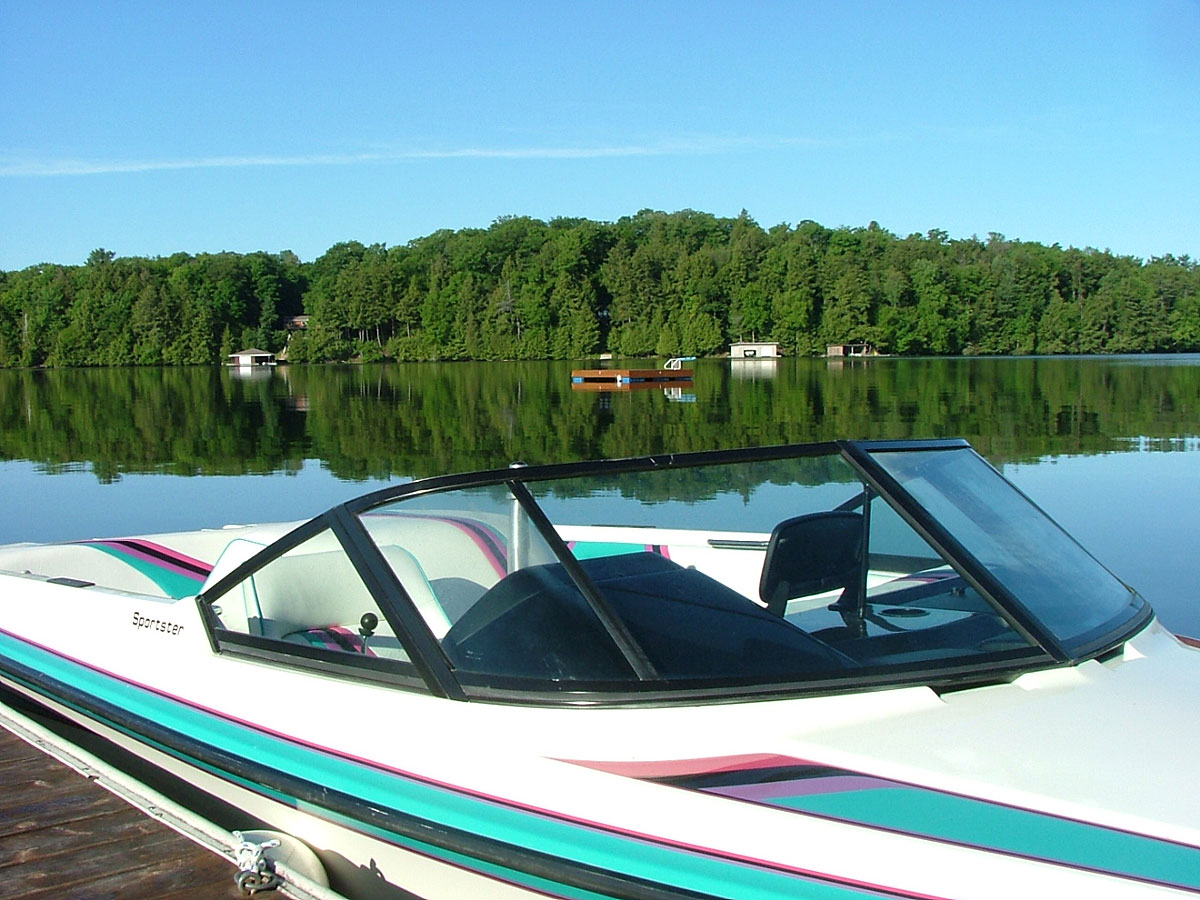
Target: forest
x=651 y=284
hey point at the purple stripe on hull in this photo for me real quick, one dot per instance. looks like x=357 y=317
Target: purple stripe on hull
x=676 y=768
x=802 y=787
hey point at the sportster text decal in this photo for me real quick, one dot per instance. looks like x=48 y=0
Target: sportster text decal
x=171 y=628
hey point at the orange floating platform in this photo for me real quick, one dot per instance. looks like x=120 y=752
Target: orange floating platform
x=629 y=376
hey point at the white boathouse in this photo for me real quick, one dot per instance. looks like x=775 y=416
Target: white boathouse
x=250 y=357
x=754 y=350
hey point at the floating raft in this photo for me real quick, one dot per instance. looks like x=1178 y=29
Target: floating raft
x=629 y=376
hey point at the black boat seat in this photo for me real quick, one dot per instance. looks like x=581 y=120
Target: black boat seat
x=813 y=554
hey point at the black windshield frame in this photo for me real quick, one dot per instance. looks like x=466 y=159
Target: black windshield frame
x=444 y=680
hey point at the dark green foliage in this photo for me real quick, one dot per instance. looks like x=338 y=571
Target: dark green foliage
x=650 y=284
x=120 y=311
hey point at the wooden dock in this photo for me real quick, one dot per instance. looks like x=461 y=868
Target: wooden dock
x=62 y=837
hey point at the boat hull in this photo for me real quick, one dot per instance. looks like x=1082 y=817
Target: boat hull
x=545 y=682
x=384 y=833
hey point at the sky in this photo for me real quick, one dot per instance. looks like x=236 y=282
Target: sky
x=151 y=128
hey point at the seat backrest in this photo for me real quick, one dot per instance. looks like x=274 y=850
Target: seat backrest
x=313 y=590
x=812 y=554
x=446 y=545
x=307 y=590
x=415 y=581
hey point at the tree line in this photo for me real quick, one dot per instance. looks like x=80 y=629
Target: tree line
x=651 y=284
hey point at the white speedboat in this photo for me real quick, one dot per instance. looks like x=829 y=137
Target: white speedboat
x=843 y=670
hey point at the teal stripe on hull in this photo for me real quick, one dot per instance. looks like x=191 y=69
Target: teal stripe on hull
x=173 y=584
x=928 y=813
x=663 y=866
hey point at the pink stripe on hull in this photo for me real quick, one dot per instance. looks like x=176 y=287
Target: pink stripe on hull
x=669 y=768
x=804 y=872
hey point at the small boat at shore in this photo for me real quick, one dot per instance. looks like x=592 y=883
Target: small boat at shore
x=842 y=670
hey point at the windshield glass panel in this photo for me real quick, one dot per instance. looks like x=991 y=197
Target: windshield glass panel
x=1054 y=578
x=741 y=574
x=491 y=589
x=311 y=597
x=771 y=571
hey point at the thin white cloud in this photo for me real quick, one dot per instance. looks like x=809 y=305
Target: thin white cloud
x=35 y=168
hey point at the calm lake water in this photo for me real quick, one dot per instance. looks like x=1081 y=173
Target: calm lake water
x=1110 y=447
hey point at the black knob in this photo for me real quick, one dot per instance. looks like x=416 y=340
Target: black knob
x=367 y=624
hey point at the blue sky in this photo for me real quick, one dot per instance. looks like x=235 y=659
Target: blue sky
x=150 y=128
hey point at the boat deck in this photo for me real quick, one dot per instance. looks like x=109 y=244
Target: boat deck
x=62 y=835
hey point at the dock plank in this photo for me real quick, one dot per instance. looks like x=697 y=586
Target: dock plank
x=64 y=837
x=45 y=843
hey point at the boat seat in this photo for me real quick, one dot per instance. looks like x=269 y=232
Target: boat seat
x=446 y=545
x=460 y=556
x=416 y=584
x=813 y=554
x=457 y=595
x=300 y=592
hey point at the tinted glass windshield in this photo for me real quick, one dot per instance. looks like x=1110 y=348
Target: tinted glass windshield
x=492 y=590
x=821 y=568
x=748 y=573
x=1046 y=571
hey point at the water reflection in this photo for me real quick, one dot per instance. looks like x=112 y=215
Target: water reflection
x=421 y=419
x=104 y=438
x=753 y=369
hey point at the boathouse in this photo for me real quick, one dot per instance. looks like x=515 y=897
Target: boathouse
x=854 y=349
x=754 y=350
x=250 y=357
